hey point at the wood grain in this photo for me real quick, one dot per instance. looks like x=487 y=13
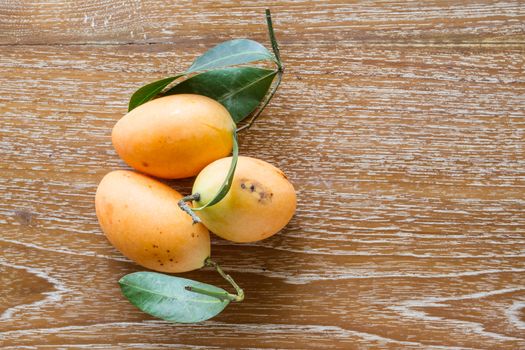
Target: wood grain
x=401 y=124
x=165 y=21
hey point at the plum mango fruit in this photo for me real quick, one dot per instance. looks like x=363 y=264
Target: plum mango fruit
x=175 y=136
x=260 y=202
x=141 y=218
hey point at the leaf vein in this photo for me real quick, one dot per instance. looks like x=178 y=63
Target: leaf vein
x=235 y=92
x=168 y=296
x=228 y=57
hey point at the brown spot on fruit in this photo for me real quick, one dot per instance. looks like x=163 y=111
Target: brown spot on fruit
x=167 y=250
x=109 y=209
x=155 y=246
x=171 y=259
x=258 y=190
x=265 y=197
x=145 y=165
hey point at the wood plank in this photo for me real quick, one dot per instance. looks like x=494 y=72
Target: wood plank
x=410 y=169
x=163 y=21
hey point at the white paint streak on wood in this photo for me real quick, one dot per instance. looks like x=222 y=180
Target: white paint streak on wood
x=407 y=309
x=66 y=251
x=269 y=330
x=513 y=313
x=166 y=21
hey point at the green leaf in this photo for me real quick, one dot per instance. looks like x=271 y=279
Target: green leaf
x=149 y=91
x=227 y=184
x=239 y=89
x=166 y=297
x=230 y=53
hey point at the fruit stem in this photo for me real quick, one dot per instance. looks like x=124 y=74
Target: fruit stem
x=187 y=209
x=240 y=293
x=280 y=70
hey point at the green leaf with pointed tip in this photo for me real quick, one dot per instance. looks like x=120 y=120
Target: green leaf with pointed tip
x=165 y=297
x=227 y=184
x=149 y=91
x=231 y=53
x=239 y=89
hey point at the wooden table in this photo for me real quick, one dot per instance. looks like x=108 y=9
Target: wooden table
x=401 y=123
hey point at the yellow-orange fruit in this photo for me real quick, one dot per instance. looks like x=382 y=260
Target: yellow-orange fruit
x=174 y=136
x=141 y=218
x=260 y=203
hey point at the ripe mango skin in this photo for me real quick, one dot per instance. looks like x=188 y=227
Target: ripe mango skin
x=260 y=203
x=141 y=218
x=175 y=136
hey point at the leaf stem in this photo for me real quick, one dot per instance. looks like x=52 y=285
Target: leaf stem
x=280 y=70
x=232 y=297
x=187 y=209
x=273 y=40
